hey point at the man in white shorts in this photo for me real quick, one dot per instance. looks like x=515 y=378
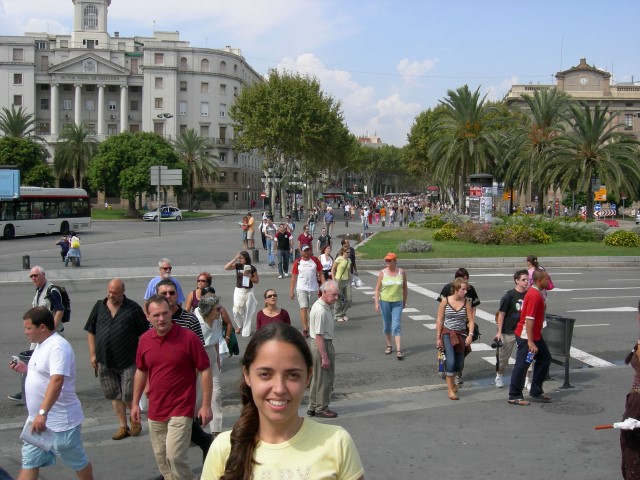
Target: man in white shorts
x=306 y=279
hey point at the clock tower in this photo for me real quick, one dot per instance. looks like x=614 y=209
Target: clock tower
x=90 y=24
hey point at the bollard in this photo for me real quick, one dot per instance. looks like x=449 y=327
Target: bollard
x=26 y=262
x=383 y=223
x=346 y=223
x=255 y=255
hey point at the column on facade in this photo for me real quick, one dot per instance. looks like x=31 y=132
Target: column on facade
x=55 y=109
x=100 y=111
x=77 y=118
x=124 y=101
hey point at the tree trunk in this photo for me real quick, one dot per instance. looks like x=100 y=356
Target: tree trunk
x=590 y=202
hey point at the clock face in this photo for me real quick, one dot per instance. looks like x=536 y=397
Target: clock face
x=584 y=81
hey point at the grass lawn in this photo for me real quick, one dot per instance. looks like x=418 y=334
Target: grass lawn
x=101 y=214
x=388 y=241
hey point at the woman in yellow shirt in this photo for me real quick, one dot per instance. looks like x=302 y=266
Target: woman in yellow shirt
x=390 y=298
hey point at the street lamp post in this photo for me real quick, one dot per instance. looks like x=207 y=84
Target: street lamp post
x=248 y=197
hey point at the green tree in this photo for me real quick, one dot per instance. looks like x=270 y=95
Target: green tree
x=292 y=122
x=24 y=153
x=125 y=159
x=591 y=149
x=462 y=139
x=17 y=123
x=193 y=151
x=74 y=152
x=41 y=175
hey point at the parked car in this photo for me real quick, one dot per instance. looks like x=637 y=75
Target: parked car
x=166 y=213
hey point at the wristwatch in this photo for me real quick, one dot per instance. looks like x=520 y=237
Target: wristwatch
x=43 y=412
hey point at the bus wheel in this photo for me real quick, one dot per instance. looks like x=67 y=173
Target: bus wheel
x=64 y=228
x=9 y=232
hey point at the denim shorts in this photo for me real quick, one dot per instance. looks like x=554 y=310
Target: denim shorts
x=67 y=445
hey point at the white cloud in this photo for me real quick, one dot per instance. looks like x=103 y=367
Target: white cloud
x=411 y=70
x=497 y=92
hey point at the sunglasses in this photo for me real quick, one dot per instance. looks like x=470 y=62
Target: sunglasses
x=388 y=260
x=169 y=294
x=273 y=295
x=166 y=269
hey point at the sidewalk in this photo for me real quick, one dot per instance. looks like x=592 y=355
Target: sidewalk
x=419 y=433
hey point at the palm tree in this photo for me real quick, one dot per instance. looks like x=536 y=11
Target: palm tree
x=530 y=139
x=192 y=148
x=17 y=123
x=590 y=149
x=74 y=152
x=462 y=138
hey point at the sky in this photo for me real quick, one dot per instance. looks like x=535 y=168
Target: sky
x=385 y=61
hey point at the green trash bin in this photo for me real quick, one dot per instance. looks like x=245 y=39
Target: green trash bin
x=558 y=335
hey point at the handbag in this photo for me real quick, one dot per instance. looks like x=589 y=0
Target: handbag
x=440 y=364
x=234 y=348
x=356 y=282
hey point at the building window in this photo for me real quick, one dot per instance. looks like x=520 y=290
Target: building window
x=235 y=158
x=122 y=46
x=64 y=43
x=134 y=89
x=112 y=88
x=223 y=133
x=183 y=108
x=158 y=128
x=112 y=129
x=158 y=58
x=204 y=65
x=223 y=66
x=41 y=45
x=204 y=87
x=66 y=104
x=112 y=105
x=90 y=17
x=91 y=44
x=235 y=91
x=134 y=127
x=183 y=128
x=18 y=55
x=159 y=83
x=89 y=105
x=628 y=121
x=222 y=178
x=91 y=128
x=204 y=109
x=204 y=130
x=183 y=86
x=223 y=109
x=44 y=103
x=17 y=79
x=158 y=102
x=43 y=128
x=235 y=177
x=67 y=87
x=133 y=105
x=183 y=63
x=222 y=157
x=17 y=100
x=44 y=87
x=90 y=88
x=223 y=89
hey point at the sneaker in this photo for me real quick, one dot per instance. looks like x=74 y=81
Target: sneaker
x=286 y=274
x=16 y=397
x=279 y=276
x=311 y=413
x=458 y=380
x=136 y=428
x=326 y=414
x=122 y=432
x=499 y=382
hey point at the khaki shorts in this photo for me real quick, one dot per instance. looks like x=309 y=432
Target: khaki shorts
x=306 y=297
x=250 y=234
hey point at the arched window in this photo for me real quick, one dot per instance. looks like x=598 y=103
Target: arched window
x=183 y=63
x=223 y=66
x=235 y=69
x=204 y=65
x=91 y=17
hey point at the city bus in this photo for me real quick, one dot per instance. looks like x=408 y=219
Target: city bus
x=44 y=211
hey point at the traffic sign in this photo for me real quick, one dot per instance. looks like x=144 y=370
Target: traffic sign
x=597 y=207
x=263 y=194
x=614 y=206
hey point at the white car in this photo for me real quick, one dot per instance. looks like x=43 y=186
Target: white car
x=166 y=213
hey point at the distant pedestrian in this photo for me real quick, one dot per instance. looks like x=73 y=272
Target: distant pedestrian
x=390 y=298
x=73 y=253
x=244 y=301
x=284 y=249
x=271 y=313
x=204 y=280
x=341 y=273
x=165 y=269
x=329 y=220
x=63 y=243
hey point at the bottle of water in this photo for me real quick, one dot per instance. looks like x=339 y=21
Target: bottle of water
x=530 y=357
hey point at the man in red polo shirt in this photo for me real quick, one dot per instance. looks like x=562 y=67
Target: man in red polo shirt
x=529 y=339
x=169 y=358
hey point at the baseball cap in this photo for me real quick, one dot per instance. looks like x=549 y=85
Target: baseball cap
x=305 y=247
x=391 y=256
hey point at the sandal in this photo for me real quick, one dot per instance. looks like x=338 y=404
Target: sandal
x=399 y=355
x=388 y=350
x=519 y=401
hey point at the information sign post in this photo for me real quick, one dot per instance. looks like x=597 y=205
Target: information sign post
x=161 y=176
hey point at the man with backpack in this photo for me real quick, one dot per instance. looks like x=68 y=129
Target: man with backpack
x=52 y=297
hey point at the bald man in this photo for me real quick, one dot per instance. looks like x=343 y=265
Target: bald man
x=113 y=328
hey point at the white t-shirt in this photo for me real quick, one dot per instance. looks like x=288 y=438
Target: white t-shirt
x=212 y=334
x=54 y=356
x=307 y=275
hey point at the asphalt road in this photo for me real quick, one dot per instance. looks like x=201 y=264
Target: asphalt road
x=601 y=300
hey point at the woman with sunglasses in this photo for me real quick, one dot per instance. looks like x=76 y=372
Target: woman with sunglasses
x=390 y=298
x=271 y=313
x=244 y=302
x=214 y=325
x=204 y=280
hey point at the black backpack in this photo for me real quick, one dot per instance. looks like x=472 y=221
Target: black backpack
x=66 y=301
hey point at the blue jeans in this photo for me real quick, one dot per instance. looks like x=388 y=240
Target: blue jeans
x=454 y=360
x=272 y=258
x=391 y=314
x=283 y=261
x=312 y=229
x=540 y=369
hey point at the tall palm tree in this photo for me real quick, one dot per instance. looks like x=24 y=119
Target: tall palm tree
x=462 y=138
x=530 y=139
x=590 y=149
x=17 y=123
x=74 y=152
x=192 y=148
